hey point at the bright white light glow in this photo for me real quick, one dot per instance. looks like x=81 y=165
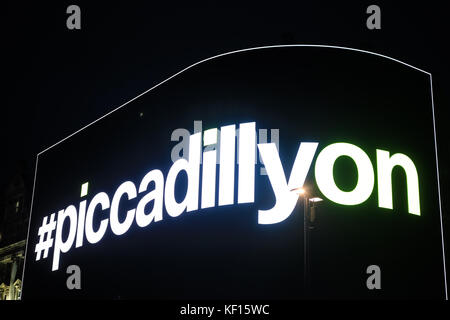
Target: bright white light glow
x=173 y=208
x=324 y=174
x=63 y=246
x=118 y=227
x=298 y=191
x=210 y=137
x=209 y=170
x=385 y=164
x=247 y=158
x=80 y=229
x=227 y=159
x=192 y=168
x=316 y=199
x=91 y=235
x=285 y=199
x=84 y=189
x=195 y=152
x=144 y=219
x=209 y=179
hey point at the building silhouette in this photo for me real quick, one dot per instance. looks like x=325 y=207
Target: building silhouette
x=14 y=217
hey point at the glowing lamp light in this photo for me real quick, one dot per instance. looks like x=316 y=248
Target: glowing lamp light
x=316 y=199
x=299 y=191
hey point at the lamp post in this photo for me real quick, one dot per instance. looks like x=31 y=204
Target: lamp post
x=309 y=217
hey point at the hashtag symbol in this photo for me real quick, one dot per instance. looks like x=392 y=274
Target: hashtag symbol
x=45 y=242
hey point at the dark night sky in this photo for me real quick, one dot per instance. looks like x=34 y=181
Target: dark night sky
x=57 y=81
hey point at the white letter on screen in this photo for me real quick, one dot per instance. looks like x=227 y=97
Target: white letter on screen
x=285 y=198
x=247 y=158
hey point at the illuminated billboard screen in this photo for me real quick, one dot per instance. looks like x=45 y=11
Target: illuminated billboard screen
x=283 y=172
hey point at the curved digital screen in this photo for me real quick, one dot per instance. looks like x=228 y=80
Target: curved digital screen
x=273 y=173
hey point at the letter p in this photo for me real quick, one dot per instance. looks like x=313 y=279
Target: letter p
x=63 y=246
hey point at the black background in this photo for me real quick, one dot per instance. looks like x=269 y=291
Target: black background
x=60 y=80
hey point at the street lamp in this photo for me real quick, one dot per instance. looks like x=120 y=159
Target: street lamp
x=313 y=203
x=309 y=217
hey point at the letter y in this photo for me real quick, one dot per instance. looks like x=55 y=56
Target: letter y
x=285 y=199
